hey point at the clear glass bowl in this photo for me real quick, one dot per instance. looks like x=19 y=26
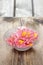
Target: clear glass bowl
x=10 y=32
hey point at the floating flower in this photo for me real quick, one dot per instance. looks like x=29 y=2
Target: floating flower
x=23 y=37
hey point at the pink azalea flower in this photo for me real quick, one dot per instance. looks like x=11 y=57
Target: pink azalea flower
x=23 y=37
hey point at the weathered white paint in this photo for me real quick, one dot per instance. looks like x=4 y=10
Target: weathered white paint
x=38 y=7
x=8 y=7
x=23 y=7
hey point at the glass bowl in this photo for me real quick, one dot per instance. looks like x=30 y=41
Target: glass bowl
x=10 y=32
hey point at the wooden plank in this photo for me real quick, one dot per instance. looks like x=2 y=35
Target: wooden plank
x=5 y=50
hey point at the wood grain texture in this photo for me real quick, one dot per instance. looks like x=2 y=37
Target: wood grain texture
x=10 y=56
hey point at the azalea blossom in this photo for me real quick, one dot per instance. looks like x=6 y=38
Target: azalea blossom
x=22 y=38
